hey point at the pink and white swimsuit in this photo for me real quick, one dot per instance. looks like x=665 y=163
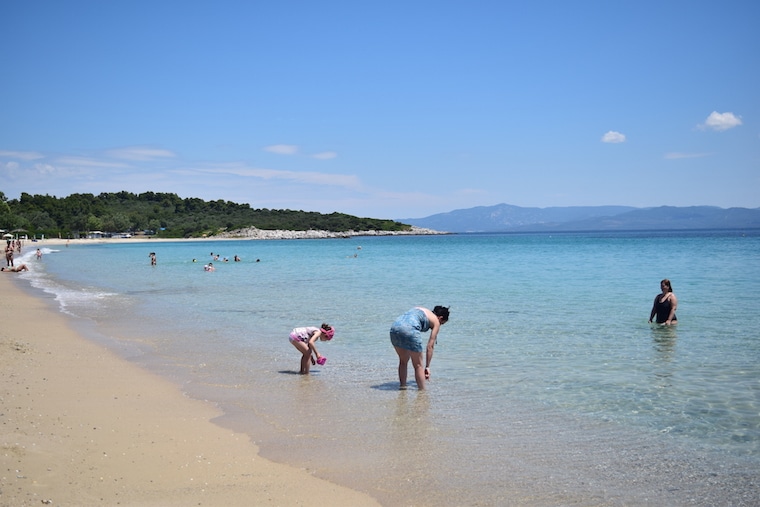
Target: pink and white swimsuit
x=302 y=334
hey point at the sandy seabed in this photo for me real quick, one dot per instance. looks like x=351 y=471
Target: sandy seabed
x=81 y=426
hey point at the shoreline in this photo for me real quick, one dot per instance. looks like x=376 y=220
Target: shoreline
x=82 y=426
x=251 y=233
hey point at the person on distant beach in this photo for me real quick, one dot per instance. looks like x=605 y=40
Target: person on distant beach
x=305 y=338
x=9 y=254
x=665 y=304
x=406 y=339
x=39 y=254
x=21 y=267
x=153 y=260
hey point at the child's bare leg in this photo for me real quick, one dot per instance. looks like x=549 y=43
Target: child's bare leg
x=305 y=364
x=305 y=356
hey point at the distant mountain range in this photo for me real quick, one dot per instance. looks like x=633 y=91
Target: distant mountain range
x=508 y=218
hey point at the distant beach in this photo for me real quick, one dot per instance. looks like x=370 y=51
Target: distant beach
x=250 y=233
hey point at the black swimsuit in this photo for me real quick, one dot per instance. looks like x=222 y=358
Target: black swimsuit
x=662 y=309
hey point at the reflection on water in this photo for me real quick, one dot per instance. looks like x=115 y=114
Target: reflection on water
x=664 y=341
x=410 y=430
x=411 y=420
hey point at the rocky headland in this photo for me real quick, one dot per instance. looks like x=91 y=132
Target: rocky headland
x=255 y=233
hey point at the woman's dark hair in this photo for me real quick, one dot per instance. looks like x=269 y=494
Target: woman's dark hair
x=667 y=284
x=441 y=311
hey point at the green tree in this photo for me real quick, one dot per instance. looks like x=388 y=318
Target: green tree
x=94 y=223
x=166 y=213
x=120 y=222
x=40 y=221
x=154 y=225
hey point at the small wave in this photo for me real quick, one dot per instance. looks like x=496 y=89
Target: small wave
x=68 y=298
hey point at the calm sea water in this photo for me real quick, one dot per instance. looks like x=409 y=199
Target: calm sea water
x=548 y=385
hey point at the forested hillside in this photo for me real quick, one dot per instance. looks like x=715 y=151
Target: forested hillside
x=163 y=214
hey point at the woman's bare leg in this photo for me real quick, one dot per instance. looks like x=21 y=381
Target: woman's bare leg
x=403 y=359
x=419 y=369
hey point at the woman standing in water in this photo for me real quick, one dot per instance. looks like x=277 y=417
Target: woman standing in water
x=406 y=338
x=665 y=304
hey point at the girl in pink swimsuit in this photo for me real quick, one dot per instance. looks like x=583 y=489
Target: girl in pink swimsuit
x=305 y=338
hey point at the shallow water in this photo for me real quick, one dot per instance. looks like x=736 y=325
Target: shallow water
x=549 y=387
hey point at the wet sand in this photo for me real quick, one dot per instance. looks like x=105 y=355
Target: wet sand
x=81 y=426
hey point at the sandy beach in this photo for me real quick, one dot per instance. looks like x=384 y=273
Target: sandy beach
x=80 y=426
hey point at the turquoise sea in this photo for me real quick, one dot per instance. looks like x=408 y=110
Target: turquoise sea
x=548 y=385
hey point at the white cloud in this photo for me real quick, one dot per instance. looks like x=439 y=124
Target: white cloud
x=45 y=169
x=282 y=149
x=140 y=153
x=17 y=172
x=325 y=155
x=9 y=170
x=613 y=137
x=311 y=178
x=88 y=162
x=721 y=121
x=677 y=155
x=22 y=155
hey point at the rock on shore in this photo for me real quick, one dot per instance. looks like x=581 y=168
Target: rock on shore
x=254 y=233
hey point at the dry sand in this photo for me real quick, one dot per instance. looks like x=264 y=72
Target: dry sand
x=81 y=426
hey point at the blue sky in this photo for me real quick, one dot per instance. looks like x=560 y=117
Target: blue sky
x=392 y=109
